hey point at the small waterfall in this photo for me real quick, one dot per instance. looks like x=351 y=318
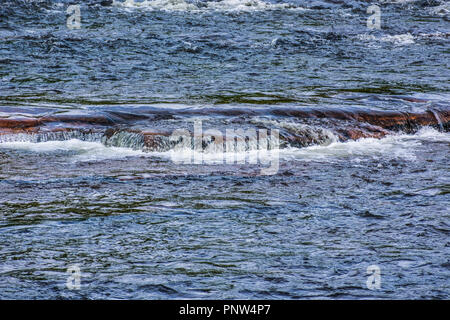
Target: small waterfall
x=125 y=139
x=51 y=136
x=438 y=119
x=216 y=141
x=294 y=134
x=248 y=134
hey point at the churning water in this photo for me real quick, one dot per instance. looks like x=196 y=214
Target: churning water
x=90 y=174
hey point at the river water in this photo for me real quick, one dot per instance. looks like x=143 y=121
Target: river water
x=104 y=190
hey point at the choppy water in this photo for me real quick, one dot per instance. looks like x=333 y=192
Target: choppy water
x=142 y=225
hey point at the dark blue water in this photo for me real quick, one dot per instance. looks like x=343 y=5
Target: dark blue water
x=142 y=225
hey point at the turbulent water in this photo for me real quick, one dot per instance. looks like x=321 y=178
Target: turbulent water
x=92 y=176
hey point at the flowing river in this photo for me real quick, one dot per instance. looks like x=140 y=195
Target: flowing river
x=226 y=149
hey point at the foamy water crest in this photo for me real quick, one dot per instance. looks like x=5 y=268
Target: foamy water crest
x=441 y=10
x=401 y=146
x=224 y=5
x=76 y=149
x=398 y=40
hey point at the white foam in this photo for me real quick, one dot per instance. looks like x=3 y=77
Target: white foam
x=442 y=10
x=400 y=146
x=398 y=40
x=166 y=5
x=428 y=134
x=78 y=150
x=248 y=5
x=435 y=35
x=223 y=5
x=189 y=156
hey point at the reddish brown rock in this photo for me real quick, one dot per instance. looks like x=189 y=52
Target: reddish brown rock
x=346 y=124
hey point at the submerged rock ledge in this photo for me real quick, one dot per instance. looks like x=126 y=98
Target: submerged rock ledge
x=144 y=130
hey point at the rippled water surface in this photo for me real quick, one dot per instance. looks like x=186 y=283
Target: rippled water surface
x=143 y=223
